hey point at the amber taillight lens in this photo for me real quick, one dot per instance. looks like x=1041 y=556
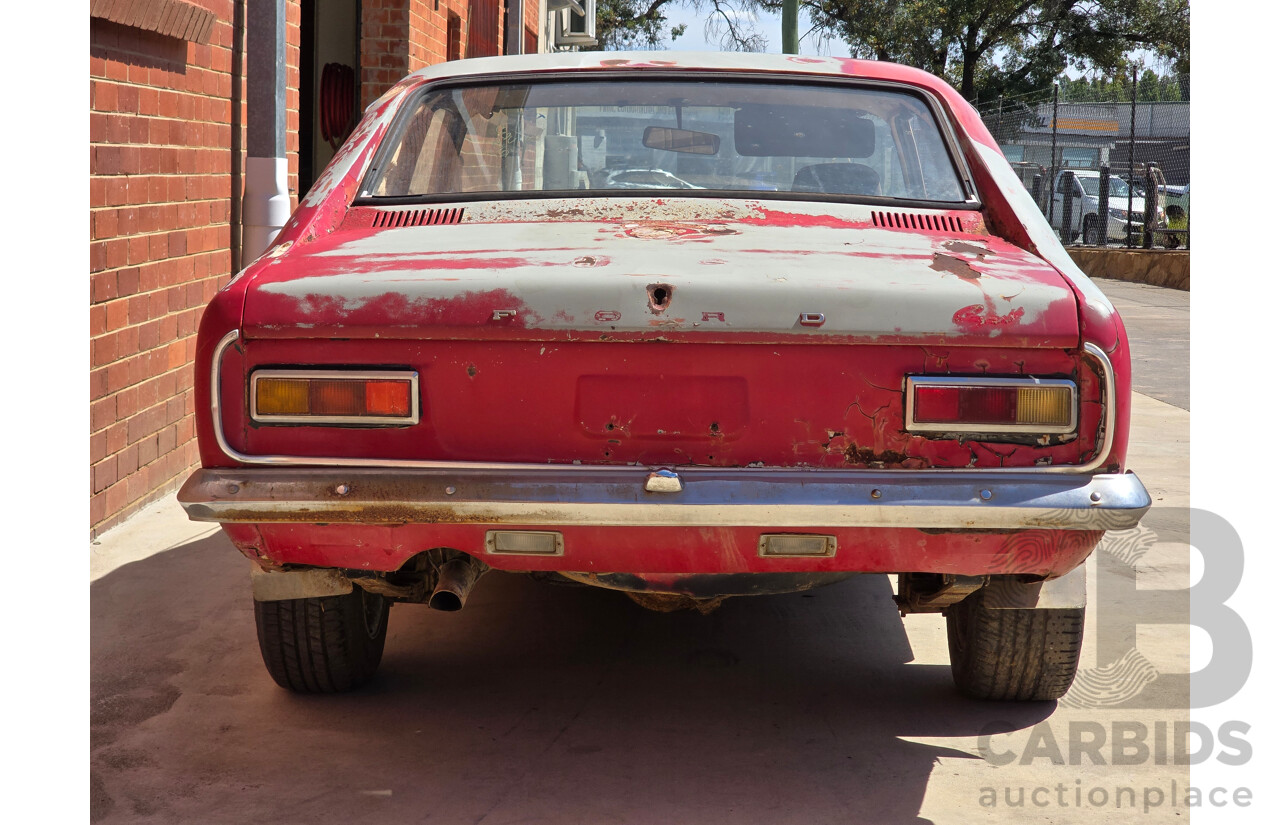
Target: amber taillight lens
x=991 y=405
x=302 y=396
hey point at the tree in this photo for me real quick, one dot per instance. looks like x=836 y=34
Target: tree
x=985 y=48
x=631 y=24
x=992 y=47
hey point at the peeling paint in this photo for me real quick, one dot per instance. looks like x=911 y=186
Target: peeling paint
x=980 y=316
x=830 y=257
x=955 y=266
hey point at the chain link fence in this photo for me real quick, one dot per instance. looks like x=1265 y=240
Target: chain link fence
x=1090 y=151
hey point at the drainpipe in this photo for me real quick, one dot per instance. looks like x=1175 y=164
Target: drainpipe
x=515 y=27
x=266 y=169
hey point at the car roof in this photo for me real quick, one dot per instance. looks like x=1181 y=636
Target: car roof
x=681 y=61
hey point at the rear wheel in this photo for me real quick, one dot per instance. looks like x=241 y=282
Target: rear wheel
x=323 y=645
x=1013 y=653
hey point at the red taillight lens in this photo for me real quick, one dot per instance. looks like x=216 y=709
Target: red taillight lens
x=302 y=396
x=341 y=398
x=387 y=397
x=976 y=405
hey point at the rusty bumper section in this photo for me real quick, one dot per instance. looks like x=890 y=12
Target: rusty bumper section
x=565 y=495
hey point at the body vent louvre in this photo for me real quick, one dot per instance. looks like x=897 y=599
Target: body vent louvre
x=910 y=220
x=419 y=217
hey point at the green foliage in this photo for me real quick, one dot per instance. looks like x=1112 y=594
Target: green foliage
x=986 y=48
x=633 y=24
x=991 y=47
x=1115 y=88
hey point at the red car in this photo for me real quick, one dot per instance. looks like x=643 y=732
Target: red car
x=848 y=343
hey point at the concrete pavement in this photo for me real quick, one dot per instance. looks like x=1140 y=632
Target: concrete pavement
x=543 y=704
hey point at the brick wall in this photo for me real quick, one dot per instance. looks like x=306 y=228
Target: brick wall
x=402 y=36
x=159 y=244
x=160 y=235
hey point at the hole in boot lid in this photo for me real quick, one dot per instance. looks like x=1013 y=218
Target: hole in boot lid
x=660 y=297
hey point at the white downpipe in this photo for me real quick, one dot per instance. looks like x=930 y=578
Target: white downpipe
x=266 y=204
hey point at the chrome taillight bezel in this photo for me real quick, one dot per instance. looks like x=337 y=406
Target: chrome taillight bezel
x=979 y=428
x=415 y=404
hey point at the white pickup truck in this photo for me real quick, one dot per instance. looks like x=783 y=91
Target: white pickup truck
x=1084 y=220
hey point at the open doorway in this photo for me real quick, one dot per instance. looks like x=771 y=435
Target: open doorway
x=329 y=85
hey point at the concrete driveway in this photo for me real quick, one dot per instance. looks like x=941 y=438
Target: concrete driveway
x=553 y=704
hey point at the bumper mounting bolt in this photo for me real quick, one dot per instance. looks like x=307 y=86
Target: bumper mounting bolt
x=448 y=491
x=342 y=489
x=985 y=495
x=875 y=494
x=1095 y=497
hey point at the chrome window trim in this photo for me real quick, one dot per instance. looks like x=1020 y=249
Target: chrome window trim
x=411 y=97
x=215 y=369
x=413 y=417
x=914 y=426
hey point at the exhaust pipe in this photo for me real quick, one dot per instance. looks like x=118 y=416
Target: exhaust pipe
x=455 y=579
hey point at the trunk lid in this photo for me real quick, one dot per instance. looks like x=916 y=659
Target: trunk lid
x=621 y=268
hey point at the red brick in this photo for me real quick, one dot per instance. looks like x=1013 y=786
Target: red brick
x=104 y=474
x=117 y=314
x=127 y=281
x=101 y=414
x=128 y=460
x=104 y=224
x=117 y=191
x=97 y=386
x=116 y=256
x=116 y=498
x=147 y=451
x=97 y=509
x=117 y=437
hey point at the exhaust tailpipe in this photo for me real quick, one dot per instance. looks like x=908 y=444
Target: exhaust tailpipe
x=456 y=578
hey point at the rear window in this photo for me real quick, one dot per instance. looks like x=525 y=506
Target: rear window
x=689 y=135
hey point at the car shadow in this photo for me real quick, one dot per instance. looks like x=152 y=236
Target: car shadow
x=536 y=703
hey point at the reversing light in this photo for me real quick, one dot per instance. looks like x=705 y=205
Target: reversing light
x=330 y=397
x=994 y=405
x=524 y=543
x=793 y=546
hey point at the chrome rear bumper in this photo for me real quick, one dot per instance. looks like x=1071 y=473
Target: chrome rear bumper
x=699 y=497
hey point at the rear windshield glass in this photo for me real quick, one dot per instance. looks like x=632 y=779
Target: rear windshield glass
x=692 y=136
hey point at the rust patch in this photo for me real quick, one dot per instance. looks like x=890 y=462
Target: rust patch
x=358 y=513
x=954 y=266
x=591 y=260
x=670 y=231
x=660 y=297
x=865 y=457
x=965 y=248
x=670 y=602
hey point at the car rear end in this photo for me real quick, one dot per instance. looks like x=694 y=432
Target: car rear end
x=681 y=397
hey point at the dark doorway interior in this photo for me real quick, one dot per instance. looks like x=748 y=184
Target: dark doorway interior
x=329 y=89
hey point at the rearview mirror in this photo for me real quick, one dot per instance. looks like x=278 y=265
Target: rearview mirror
x=681 y=140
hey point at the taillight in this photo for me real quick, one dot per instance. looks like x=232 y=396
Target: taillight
x=991 y=405
x=330 y=397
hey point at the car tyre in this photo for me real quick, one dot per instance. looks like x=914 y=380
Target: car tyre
x=1013 y=654
x=327 y=644
x=1092 y=236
